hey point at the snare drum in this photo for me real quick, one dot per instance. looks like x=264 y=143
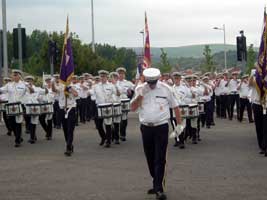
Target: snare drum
x=3 y=106
x=105 y=110
x=14 y=109
x=193 y=111
x=184 y=110
x=47 y=108
x=116 y=109
x=33 y=109
x=125 y=105
x=201 y=107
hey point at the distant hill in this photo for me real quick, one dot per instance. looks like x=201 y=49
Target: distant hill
x=195 y=51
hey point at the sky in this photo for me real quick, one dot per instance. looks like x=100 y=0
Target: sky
x=171 y=23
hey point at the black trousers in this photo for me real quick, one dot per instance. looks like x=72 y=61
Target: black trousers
x=7 y=122
x=218 y=106
x=155 y=143
x=115 y=131
x=16 y=128
x=123 y=126
x=56 y=116
x=88 y=108
x=244 y=103
x=77 y=111
x=233 y=100
x=104 y=135
x=27 y=119
x=47 y=125
x=93 y=109
x=212 y=107
x=261 y=126
x=82 y=109
x=33 y=136
x=225 y=106
x=68 y=126
x=206 y=118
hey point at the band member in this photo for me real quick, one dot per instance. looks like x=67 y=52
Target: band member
x=208 y=92
x=233 y=94
x=32 y=98
x=67 y=104
x=16 y=91
x=4 y=98
x=260 y=117
x=116 y=119
x=224 y=95
x=56 y=116
x=126 y=91
x=180 y=93
x=46 y=120
x=217 y=92
x=88 y=79
x=84 y=88
x=154 y=99
x=75 y=84
x=104 y=92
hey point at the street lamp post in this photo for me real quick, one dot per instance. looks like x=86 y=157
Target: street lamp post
x=5 y=55
x=224 y=44
x=93 y=26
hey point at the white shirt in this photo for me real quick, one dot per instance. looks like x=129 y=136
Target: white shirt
x=180 y=92
x=124 y=86
x=156 y=103
x=16 y=91
x=83 y=90
x=224 y=90
x=233 y=84
x=71 y=100
x=198 y=91
x=206 y=97
x=244 y=90
x=254 y=96
x=104 y=93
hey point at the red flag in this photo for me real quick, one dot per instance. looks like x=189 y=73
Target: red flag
x=147 y=55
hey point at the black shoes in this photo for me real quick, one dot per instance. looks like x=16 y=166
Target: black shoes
x=102 y=142
x=207 y=126
x=9 y=133
x=31 y=141
x=17 y=145
x=68 y=153
x=161 y=196
x=107 y=145
x=151 y=191
x=117 y=142
x=182 y=146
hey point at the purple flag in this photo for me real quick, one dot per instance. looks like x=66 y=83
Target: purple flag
x=67 y=64
x=261 y=74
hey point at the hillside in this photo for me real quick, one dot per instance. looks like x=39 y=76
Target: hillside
x=186 y=51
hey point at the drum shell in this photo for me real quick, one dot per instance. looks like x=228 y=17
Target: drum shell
x=33 y=109
x=116 y=110
x=125 y=105
x=184 y=109
x=201 y=107
x=193 y=111
x=3 y=106
x=104 y=111
x=14 y=109
x=47 y=108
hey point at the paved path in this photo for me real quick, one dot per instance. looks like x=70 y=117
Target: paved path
x=224 y=165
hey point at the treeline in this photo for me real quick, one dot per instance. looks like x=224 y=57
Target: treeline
x=37 y=55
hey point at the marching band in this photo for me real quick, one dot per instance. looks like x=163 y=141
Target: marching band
x=106 y=100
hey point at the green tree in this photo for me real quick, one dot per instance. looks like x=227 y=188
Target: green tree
x=251 y=58
x=164 y=64
x=208 y=65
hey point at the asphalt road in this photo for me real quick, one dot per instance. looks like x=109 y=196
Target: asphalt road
x=224 y=165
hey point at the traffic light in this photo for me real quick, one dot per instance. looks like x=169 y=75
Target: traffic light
x=241 y=47
x=53 y=50
x=16 y=43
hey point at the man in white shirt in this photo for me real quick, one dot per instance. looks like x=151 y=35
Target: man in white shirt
x=4 y=98
x=243 y=89
x=126 y=91
x=153 y=100
x=260 y=116
x=233 y=95
x=67 y=104
x=84 y=88
x=104 y=92
x=16 y=91
x=56 y=116
x=217 y=92
x=224 y=95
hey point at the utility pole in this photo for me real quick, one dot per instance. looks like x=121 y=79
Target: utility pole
x=93 y=26
x=5 y=55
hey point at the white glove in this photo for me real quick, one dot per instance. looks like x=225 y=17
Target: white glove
x=178 y=130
